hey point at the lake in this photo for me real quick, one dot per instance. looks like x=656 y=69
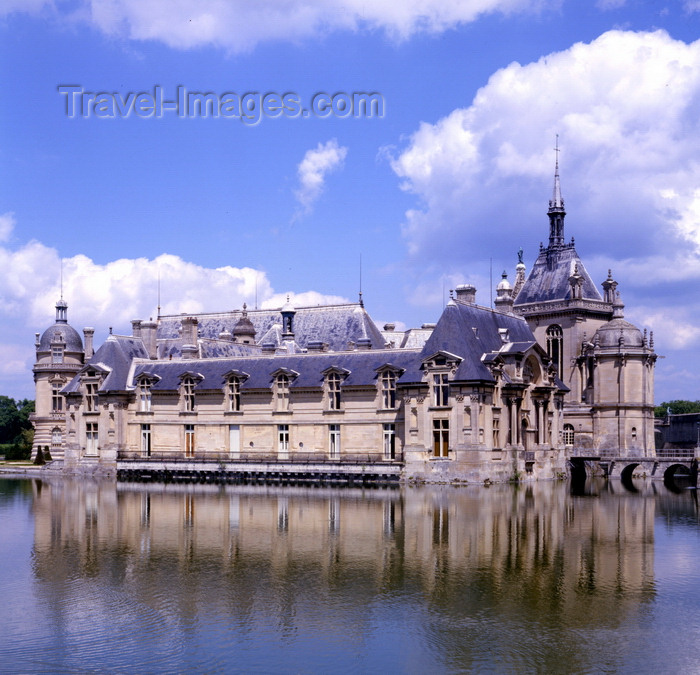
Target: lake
x=99 y=576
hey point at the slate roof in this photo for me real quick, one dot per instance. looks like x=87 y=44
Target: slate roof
x=115 y=356
x=361 y=366
x=549 y=277
x=334 y=324
x=471 y=331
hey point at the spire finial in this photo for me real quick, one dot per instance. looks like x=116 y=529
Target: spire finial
x=557 y=202
x=556 y=210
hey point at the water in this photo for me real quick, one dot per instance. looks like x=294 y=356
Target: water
x=105 y=577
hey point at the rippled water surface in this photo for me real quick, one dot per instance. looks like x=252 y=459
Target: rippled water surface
x=107 y=577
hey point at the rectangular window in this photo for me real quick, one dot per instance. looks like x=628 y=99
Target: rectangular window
x=234 y=440
x=282 y=393
x=334 y=440
x=441 y=390
x=189 y=440
x=388 y=390
x=91 y=396
x=146 y=440
x=91 y=438
x=56 y=354
x=234 y=394
x=56 y=399
x=441 y=438
x=496 y=432
x=145 y=396
x=389 y=441
x=188 y=394
x=334 y=391
x=283 y=440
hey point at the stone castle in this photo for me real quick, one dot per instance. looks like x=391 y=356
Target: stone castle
x=552 y=371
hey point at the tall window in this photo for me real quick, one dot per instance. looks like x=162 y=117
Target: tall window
x=56 y=399
x=56 y=354
x=189 y=440
x=333 y=380
x=334 y=440
x=441 y=438
x=233 y=393
x=568 y=435
x=91 y=431
x=282 y=392
x=389 y=441
x=555 y=344
x=441 y=390
x=496 y=432
x=188 y=393
x=91 y=396
x=283 y=439
x=388 y=389
x=56 y=437
x=146 y=440
x=145 y=395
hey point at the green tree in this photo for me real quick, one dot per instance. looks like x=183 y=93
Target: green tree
x=14 y=418
x=676 y=407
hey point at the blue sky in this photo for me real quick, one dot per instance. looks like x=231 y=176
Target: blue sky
x=448 y=184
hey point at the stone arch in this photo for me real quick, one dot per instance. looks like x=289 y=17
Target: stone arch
x=675 y=471
x=626 y=477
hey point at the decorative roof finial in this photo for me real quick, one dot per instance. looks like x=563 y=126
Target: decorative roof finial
x=557 y=201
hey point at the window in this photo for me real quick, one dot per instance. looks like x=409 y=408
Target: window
x=333 y=381
x=234 y=440
x=568 y=436
x=188 y=393
x=145 y=395
x=57 y=354
x=91 y=396
x=146 y=440
x=283 y=439
x=233 y=393
x=189 y=440
x=389 y=441
x=555 y=342
x=441 y=437
x=56 y=437
x=388 y=389
x=496 y=432
x=56 y=399
x=282 y=392
x=334 y=440
x=91 y=432
x=441 y=390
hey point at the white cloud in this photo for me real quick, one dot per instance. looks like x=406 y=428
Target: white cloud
x=313 y=169
x=625 y=107
x=239 y=25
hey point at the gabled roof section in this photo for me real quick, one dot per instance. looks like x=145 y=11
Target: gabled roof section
x=470 y=331
x=549 y=277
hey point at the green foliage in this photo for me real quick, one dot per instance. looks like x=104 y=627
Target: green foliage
x=39 y=459
x=676 y=407
x=21 y=447
x=14 y=418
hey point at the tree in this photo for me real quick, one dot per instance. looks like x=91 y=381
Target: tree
x=676 y=407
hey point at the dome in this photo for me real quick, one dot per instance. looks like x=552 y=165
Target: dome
x=245 y=326
x=61 y=332
x=609 y=334
x=504 y=284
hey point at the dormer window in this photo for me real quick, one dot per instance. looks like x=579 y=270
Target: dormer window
x=233 y=393
x=333 y=384
x=441 y=390
x=145 y=395
x=57 y=354
x=388 y=384
x=188 y=393
x=91 y=396
x=282 y=383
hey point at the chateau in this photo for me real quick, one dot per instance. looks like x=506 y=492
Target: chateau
x=553 y=370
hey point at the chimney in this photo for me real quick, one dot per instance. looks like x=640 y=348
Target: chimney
x=317 y=346
x=466 y=293
x=136 y=328
x=364 y=344
x=389 y=327
x=88 y=333
x=268 y=348
x=189 y=337
x=148 y=336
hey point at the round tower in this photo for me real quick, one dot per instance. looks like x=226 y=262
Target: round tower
x=59 y=357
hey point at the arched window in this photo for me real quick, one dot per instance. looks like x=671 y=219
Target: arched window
x=56 y=437
x=555 y=347
x=568 y=436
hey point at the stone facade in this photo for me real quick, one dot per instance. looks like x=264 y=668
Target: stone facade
x=482 y=395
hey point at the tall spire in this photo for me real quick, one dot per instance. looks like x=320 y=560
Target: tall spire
x=556 y=210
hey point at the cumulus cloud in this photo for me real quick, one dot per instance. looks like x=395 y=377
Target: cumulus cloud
x=239 y=25
x=110 y=295
x=313 y=169
x=7 y=224
x=625 y=107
